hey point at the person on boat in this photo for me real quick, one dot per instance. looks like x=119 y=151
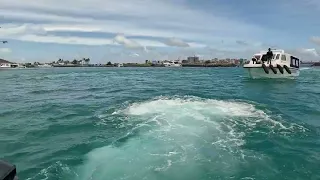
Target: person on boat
x=269 y=55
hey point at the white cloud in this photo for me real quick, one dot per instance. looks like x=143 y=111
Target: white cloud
x=315 y=40
x=65 y=40
x=240 y=42
x=38 y=33
x=141 y=17
x=312 y=52
x=5 y=50
x=11 y=30
x=128 y=43
x=134 y=55
x=140 y=25
x=176 y=42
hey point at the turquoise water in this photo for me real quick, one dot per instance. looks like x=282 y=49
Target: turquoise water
x=159 y=123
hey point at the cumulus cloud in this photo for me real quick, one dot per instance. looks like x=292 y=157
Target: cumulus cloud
x=145 y=23
x=312 y=52
x=159 y=18
x=5 y=50
x=65 y=40
x=13 y=30
x=176 y=42
x=128 y=43
x=134 y=55
x=41 y=33
x=315 y=40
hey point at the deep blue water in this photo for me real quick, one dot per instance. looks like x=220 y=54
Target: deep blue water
x=159 y=123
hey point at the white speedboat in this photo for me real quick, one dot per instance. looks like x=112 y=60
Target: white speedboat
x=44 y=65
x=172 y=64
x=11 y=66
x=282 y=65
x=5 y=65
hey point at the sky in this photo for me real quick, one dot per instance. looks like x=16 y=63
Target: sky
x=136 y=30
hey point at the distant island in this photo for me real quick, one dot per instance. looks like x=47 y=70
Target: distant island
x=85 y=62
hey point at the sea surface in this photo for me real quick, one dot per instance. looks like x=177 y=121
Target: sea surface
x=159 y=124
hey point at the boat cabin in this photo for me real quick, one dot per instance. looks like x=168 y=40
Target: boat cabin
x=279 y=57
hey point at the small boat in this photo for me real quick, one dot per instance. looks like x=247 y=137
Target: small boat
x=282 y=65
x=5 y=65
x=11 y=66
x=172 y=64
x=44 y=65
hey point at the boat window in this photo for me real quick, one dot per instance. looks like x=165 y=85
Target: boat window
x=283 y=57
x=257 y=57
x=278 y=56
x=295 y=62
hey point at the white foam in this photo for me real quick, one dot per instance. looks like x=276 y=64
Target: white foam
x=179 y=134
x=191 y=104
x=305 y=68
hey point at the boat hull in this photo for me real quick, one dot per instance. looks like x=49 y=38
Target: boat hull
x=173 y=65
x=258 y=72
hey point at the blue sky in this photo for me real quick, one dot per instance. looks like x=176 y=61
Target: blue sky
x=135 y=30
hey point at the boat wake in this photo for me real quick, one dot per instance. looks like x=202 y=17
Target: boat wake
x=185 y=138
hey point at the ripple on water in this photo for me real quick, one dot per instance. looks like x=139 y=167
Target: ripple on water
x=74 y=123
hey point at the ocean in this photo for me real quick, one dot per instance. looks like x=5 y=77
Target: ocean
x=159 y=124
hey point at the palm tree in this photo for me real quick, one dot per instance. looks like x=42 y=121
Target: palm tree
x=87 y=60
x=74 y=61
x=60 y=60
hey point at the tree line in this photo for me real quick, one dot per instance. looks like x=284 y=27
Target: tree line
x=75 y=61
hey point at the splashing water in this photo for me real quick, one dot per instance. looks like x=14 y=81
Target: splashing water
x=182 y=138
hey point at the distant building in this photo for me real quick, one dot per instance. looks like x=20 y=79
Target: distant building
x=237 y=61
x=193 y=59
x=156 y=62
x=184 y=61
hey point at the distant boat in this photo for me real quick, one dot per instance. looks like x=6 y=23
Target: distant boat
x=282 y=65
x=120 y=65
x=172 y=64
x=44 y=66
x=4 y=64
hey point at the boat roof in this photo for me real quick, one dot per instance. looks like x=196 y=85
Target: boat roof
x=274 y=51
